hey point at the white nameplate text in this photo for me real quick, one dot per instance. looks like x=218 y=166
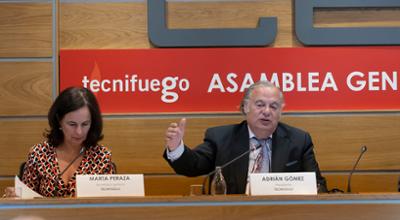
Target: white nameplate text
x=283 y=184
x=109 y=185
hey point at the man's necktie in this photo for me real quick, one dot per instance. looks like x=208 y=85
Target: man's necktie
x=262 y=161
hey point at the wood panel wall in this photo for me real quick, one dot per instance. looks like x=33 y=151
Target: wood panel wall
x=25 y=29
x=25 y=88
x=137 y=141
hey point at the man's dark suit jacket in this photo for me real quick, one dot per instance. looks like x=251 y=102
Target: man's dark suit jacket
x=292 y=151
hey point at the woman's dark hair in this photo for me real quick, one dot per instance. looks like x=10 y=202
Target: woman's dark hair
x=69 y=100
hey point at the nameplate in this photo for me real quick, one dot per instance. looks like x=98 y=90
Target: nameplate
x=109 y=185
x=283 y=184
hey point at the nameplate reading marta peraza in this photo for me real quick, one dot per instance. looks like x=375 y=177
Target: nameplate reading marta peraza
x=283 y=183
x=109 y=185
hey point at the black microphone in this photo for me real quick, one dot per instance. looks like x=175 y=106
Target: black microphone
x=363 y=150
x=253 y=148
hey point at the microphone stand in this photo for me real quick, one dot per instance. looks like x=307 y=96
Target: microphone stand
x=227 y=164
x=363 y=150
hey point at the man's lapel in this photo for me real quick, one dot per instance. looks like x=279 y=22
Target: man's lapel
x=240 y=144
x=280 y=149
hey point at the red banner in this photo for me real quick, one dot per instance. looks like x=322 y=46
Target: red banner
x=213 y=79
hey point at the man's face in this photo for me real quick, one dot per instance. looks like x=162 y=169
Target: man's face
x=263 y=111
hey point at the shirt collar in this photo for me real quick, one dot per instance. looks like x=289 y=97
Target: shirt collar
x=251 y=133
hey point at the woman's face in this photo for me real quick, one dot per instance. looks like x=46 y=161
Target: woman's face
x=75 y=125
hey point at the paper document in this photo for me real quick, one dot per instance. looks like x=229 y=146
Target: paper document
x=23 y=191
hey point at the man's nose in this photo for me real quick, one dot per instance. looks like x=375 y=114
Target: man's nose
x=267 y=110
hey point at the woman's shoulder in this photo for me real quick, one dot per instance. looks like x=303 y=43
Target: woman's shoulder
x=43 y=147
x=41 y=152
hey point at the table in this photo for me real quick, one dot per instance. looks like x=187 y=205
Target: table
x=323 y=206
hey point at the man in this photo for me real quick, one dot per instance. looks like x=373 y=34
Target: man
x=290 y=150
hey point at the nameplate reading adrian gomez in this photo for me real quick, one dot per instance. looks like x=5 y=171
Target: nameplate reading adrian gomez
x=303 y=183
x=109 y=185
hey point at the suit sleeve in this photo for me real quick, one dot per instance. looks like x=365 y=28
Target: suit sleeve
x=197 y=161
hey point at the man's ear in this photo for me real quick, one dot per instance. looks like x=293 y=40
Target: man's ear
x=246 y=108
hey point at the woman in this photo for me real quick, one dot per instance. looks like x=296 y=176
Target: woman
x=71 y=147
